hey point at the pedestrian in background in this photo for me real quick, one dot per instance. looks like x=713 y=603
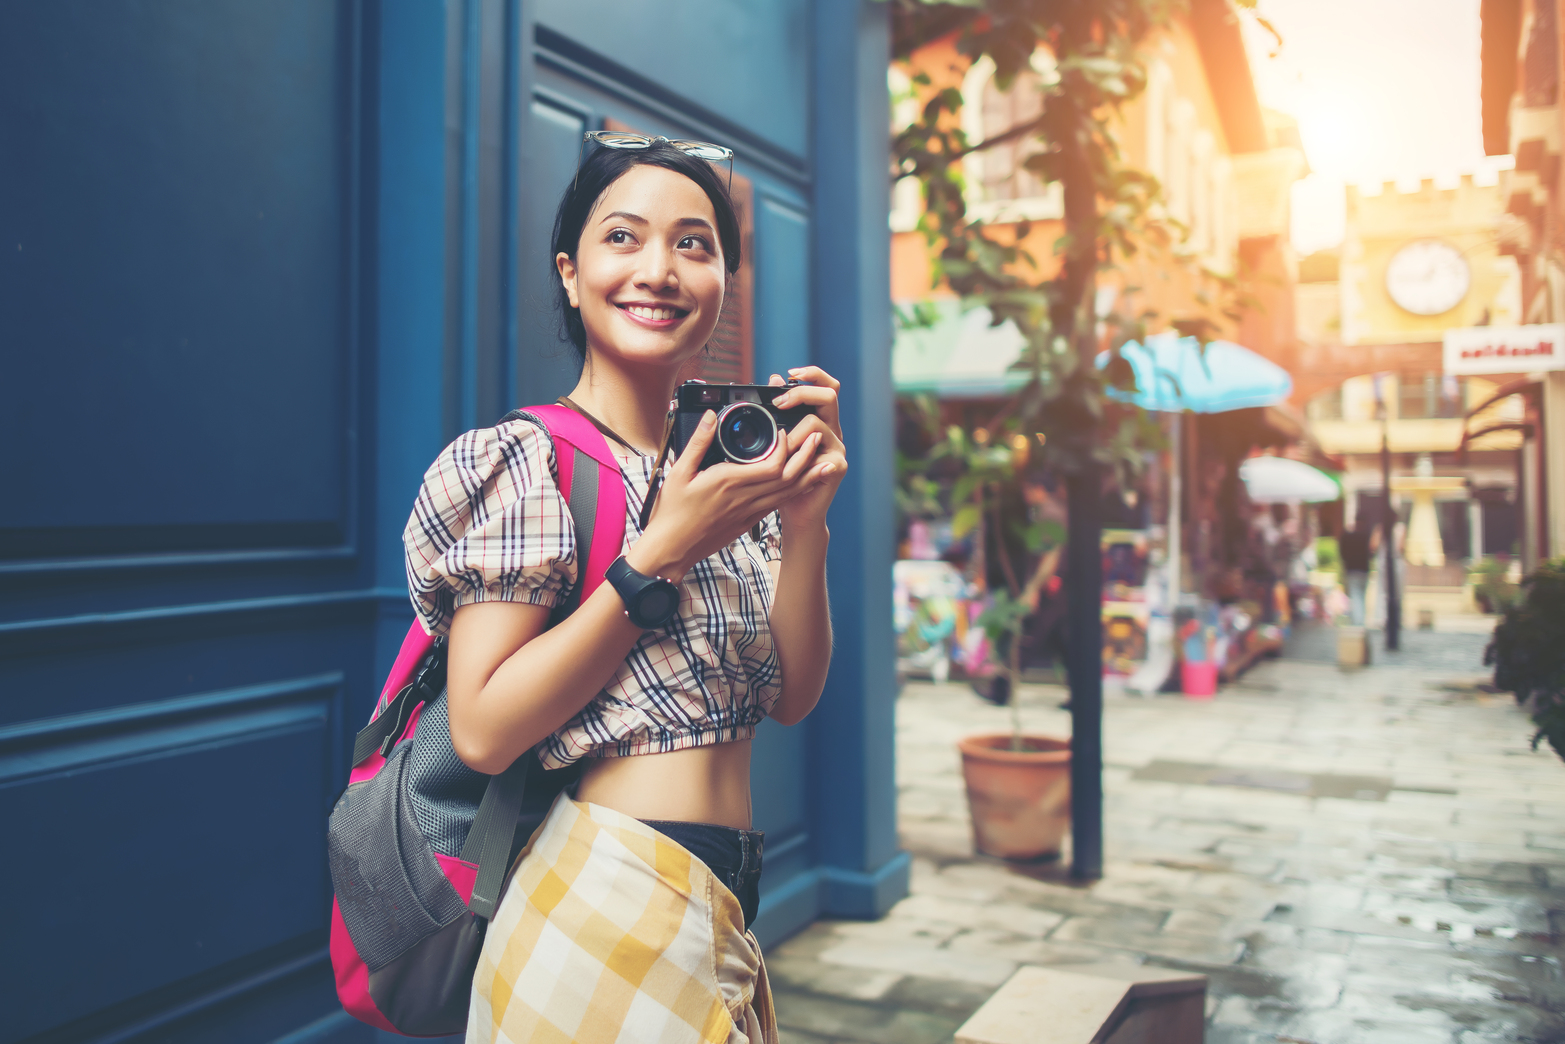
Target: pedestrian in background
x=1357 y=548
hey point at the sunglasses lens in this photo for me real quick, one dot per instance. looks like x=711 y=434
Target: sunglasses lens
x=702 y=150
x=622 y=141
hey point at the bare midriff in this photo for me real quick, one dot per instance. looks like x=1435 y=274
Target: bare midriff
x=697 y=785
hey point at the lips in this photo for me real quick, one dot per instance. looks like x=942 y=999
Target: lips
x=651 y=313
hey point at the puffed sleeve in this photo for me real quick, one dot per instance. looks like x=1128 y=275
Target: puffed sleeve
x=771 y=538
x=489 y=525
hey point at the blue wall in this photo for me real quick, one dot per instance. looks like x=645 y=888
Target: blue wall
x=259 y=261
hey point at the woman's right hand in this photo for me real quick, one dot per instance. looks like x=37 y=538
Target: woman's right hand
x=698 y=513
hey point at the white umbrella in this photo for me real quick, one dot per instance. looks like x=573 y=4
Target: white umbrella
x=1270 y=480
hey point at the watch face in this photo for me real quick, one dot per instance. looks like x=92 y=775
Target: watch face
x=657 y=602
x=1428 y=277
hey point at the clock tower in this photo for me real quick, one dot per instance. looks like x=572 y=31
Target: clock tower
x=1415 y=264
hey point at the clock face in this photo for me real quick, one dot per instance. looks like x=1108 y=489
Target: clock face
x=1428 y=277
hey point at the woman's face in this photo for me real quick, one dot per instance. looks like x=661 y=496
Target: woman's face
x=648 y=274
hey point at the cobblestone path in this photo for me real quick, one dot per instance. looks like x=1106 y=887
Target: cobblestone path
x=1375 y=856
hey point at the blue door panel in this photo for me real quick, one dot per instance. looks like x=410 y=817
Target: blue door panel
x=182 y=841
x=185 y=247
x=782 y=286
x=546 y=365
x=781 y=803
x=746 y=61
x=776 y=773
x=258 y=260
x=90 y=667
x=263 y=999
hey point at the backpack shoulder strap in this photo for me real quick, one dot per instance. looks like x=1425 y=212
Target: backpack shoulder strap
x=589 y=479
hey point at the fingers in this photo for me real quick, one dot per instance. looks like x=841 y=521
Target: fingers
x=695 y=450
x=777 y=381
x=815 y=375
x=820 y=395
x=801 y=458
x=805 y=395
x=807 y=427
x=830 y=468
x=828 y=471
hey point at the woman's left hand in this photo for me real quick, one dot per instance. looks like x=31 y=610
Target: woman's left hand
x=825 y=473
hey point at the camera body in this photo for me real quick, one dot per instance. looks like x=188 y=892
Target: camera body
x=748 y=425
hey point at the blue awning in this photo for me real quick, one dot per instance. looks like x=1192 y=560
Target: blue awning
x=961 y=356
x=1174 y=373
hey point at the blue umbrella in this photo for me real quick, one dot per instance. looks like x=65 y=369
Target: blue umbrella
x=1173 y=373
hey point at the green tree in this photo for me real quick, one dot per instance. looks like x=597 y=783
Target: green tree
x=1528 y=652
x=1110 y=212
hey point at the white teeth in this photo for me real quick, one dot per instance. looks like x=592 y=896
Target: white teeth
x=655 y=314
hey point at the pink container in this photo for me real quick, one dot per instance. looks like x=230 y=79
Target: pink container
x=1198 y=680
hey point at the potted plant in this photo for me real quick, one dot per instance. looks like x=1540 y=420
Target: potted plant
x=1528 y=652
x=1018 y=785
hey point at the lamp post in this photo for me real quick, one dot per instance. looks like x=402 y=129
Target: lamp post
x=1388 y=521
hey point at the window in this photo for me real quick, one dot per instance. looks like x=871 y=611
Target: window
x=1434 y=396
x=999 y=187
x=1002 y=175
x=1197 y=179
x=907 y=198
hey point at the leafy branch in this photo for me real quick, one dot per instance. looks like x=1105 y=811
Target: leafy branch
x=1113 y=211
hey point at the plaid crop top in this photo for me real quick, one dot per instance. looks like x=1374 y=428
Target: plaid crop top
x=490 y=524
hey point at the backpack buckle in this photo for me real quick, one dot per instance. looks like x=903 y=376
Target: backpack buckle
x=424 y=687
x=431 y=677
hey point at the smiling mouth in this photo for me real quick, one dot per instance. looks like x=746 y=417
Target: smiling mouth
x=654 y=313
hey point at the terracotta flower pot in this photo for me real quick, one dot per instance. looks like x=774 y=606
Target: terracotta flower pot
x=1020 y=800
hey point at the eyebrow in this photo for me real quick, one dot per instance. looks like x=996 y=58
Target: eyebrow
x=681 y=223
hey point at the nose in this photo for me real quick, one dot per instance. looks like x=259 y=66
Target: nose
x=656 y=271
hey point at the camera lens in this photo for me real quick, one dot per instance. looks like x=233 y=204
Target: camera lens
x=746 y=432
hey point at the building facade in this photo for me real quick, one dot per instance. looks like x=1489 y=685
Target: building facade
x=262 y=261
x=1224 y=164
x=1522 y=52
x=1372 y=316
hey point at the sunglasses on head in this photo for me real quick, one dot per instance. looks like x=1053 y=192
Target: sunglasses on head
x=703 y=150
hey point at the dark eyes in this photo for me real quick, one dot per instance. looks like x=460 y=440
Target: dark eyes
x=623 y=237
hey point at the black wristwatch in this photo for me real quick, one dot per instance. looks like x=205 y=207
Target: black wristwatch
x=650 y=601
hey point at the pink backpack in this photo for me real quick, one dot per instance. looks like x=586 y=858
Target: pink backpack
x=419 y=844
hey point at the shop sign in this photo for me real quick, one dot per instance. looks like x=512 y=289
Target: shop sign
x=1505 y=349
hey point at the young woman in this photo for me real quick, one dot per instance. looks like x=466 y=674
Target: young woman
x=628 y=915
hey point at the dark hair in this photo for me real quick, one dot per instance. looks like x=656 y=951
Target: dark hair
x=602 y=169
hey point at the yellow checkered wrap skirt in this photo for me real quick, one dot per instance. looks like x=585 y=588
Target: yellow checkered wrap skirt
x=611 y=932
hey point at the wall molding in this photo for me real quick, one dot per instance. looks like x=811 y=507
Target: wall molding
x=198 y=620
x=42 y=747
x=562 y=54
x=315 y=962
x=179 y=560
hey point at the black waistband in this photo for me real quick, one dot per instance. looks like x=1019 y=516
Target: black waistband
x=733 y=856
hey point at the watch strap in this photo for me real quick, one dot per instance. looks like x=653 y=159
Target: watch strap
x=630 y=583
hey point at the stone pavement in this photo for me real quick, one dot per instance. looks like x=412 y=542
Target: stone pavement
x=1374 y=856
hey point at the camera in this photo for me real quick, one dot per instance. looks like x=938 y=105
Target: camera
x=748 y=425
